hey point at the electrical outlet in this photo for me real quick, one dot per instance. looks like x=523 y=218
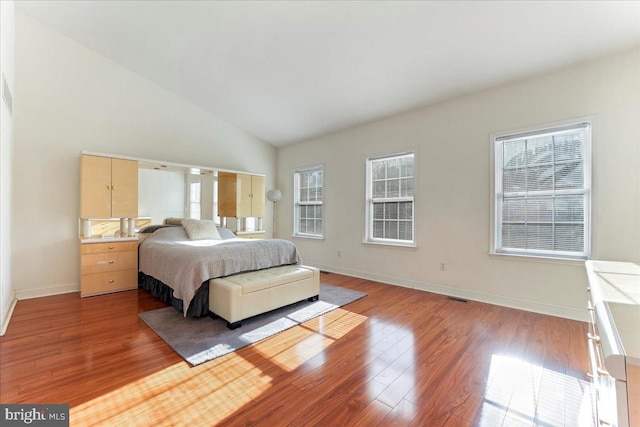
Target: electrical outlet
x=443 y=267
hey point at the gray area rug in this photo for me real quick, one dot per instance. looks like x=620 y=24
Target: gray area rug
x=200 y=339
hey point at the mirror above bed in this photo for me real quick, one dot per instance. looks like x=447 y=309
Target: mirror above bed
x=171 y=190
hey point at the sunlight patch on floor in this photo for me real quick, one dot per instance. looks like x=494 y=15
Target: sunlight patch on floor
x=523 y=393
x=176 y=395
x=185 y=395
x=297 y=345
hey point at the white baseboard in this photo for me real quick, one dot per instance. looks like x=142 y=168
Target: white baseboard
x=7 y=317
x=501 y=300
x=47 y=291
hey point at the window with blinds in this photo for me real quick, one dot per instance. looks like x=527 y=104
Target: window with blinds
x=390 y=204
x=308 y=202
x=542 y=190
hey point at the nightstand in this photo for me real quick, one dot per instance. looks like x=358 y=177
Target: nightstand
x=108 y=266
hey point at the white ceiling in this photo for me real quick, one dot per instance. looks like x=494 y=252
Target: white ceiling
x=286 y=71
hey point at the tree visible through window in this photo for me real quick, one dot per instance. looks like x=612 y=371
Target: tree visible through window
x=390 y=217
x=308 y=203
x=542 y=192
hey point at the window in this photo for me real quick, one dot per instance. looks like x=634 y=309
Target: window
x=308 y=204
x=542 y=190
x=194 y=200
x=390 y=204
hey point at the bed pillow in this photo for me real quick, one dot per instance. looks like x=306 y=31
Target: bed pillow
x=153 y=228
x=225 y=233
x=173 y=221
x=201 y=229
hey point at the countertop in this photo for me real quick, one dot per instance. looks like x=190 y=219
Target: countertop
x=108 y=239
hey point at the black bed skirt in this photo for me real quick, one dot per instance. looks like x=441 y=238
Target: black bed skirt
x=199 y=304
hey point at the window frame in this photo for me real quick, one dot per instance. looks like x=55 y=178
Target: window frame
x=369 y=211
x=497 y=172
x=296 y=202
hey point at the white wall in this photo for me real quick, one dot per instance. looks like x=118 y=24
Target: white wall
x=68 y=99
x=7 y=67
x=453 y=196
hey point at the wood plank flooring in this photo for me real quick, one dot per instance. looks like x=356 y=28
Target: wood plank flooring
x=398 y=357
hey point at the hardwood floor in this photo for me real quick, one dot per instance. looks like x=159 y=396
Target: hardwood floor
x=397 y=357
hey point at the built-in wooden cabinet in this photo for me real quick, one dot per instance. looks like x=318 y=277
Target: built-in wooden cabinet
x=240 y=195
x=108 y=267
x=108 y=187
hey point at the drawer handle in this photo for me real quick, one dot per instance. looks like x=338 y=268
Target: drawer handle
x=112 y=262
x=593 y=338
x=111 y=281
x=111 y=247
x=601 y=373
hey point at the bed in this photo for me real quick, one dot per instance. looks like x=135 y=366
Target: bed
x=177 y=269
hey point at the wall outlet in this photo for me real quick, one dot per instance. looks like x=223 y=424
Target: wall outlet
x=443 y=267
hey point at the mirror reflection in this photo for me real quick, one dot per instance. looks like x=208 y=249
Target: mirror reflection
x=172 y=192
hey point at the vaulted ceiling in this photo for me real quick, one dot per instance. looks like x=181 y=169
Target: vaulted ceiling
x=286 y=71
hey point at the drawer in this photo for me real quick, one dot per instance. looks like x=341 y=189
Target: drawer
x=94 y=248
x=103 y=262
x=113 y=281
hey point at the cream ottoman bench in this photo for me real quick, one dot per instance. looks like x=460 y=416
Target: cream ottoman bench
x=244 y=295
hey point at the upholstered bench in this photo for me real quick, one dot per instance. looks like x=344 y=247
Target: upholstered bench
x=244 y=295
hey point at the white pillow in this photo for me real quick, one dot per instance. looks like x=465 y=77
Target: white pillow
x=201 y=229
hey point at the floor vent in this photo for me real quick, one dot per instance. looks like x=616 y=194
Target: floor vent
x=458 y=299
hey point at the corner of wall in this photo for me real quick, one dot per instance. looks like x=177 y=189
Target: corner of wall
x=7 y=72
x=6 y=317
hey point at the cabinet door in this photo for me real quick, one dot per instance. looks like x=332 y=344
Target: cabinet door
x=244 y=196
x=227 y=194
x=257 y=198
x=95 y=187
x=124 y=188
x=240 y=195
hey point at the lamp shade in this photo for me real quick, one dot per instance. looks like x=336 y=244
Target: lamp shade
x=274 y=195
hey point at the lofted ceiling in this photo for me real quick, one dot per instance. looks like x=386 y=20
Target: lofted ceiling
x=286 y=71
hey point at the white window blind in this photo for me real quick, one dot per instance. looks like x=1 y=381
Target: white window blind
x=308 y=203
x=542 y=189
x=390 y=203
